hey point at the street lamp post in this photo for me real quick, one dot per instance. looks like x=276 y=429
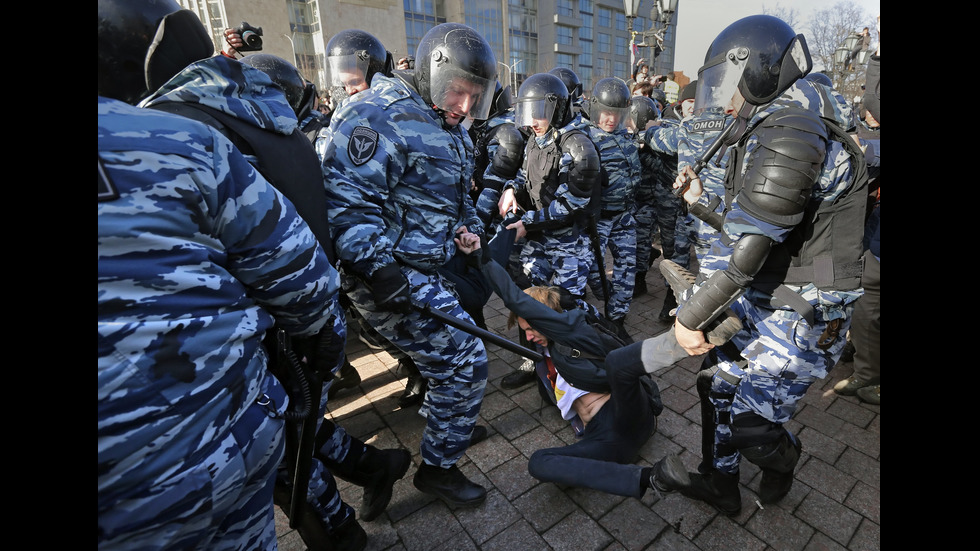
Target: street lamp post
x=512 y=69
x=631 y=8
x=664 y=10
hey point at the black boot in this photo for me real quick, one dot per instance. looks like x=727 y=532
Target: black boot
x=778 y=460
x=640 y=287
x=716 y=488
x=415 y=387
x=317 y=533
x=620 y=324
x=347 y=377
x=449 y=485
x=377 y=471
x=670 y=302
x=523 y=376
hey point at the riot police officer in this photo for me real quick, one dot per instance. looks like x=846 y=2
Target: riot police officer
x=793 y=228
x=397 y=178
x=560 y=175
x=607 y=111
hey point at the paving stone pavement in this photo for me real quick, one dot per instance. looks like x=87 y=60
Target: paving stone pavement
x=834 y=504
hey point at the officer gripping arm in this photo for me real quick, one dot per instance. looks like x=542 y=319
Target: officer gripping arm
x=774 y=193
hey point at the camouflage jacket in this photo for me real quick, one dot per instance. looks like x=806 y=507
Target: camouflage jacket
x=198 y=257
x=397 y=181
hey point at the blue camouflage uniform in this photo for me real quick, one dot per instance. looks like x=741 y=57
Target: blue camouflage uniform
x=249 y=95
x=616 y=225
x=557 y=254
x=686 y=140
x=397 y=183
x=495 y=175
x=657 y=208
x=198 y=257
x=780 y=356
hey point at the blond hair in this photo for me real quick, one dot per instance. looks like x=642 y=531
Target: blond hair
x=549 y=296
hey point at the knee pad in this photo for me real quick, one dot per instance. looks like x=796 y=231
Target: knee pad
x=764 y=443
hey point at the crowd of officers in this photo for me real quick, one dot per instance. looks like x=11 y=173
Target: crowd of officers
x=225 y=302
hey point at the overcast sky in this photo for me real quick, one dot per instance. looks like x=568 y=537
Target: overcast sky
x=700 y=21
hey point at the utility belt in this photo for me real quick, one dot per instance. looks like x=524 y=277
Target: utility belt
x=822 y=273
x=608 y=214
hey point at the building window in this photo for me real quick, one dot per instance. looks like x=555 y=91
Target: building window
x=605 y=17
x=622 y=70
x=523 y=36
x=563 y=35
x=486 y=17
x=605 y=43
x=420 y=17
x=585 y=75
x=585 y=6
x=622 y=45
x=585 y=58
x=620 y=21
x=585 y=31
x=603 y=68
x=564 y=60
x=565 y=7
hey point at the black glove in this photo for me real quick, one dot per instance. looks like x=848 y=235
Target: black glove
x=390 y=290
x=321 y=351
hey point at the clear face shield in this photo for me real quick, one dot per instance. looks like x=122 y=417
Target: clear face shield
x=457 y=91
x=718 y=80
x=346 y=74
x=539 y=109
x=609 y=119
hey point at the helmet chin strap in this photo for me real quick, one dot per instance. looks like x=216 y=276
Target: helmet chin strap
x=742 y=118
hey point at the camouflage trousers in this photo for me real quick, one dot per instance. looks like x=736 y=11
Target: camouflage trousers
x=322 y=493
x=781 y=360
x=617 y=234
x=658 y=211
x=219 y=498
x=561 y=261
x=685 y=235
x=453 y=362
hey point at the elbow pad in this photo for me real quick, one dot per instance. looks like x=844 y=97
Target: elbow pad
x=724 y=286
x=510 y=152
x=584 y=173
x=781 y=172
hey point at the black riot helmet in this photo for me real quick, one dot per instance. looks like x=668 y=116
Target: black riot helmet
x=642 y=110
x=610 y=97
x=572 y=83
x=542 y=96
x=502 y=102
x=353 y=58
x=453 y=59
x=144 y=43
x=820 y=78
x=659 y=96
x=287 y=76
x=759 y=55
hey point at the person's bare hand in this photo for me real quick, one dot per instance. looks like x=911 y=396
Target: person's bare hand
x=691 y=341
x=233 y=41
x=507 y=203
x=686 y=178
x=467 y=242
x=521 y=231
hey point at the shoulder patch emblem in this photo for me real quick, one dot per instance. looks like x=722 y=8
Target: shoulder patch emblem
x=708 y=125
x=362 y=145
x=107 y=191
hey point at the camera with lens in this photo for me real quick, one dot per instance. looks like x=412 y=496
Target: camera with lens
x=251 y=38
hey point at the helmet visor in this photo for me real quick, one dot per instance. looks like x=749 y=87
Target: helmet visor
x=610 y=119
x=718 y=80
x=348 y=71
x=461 y=92
x=535 y=109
